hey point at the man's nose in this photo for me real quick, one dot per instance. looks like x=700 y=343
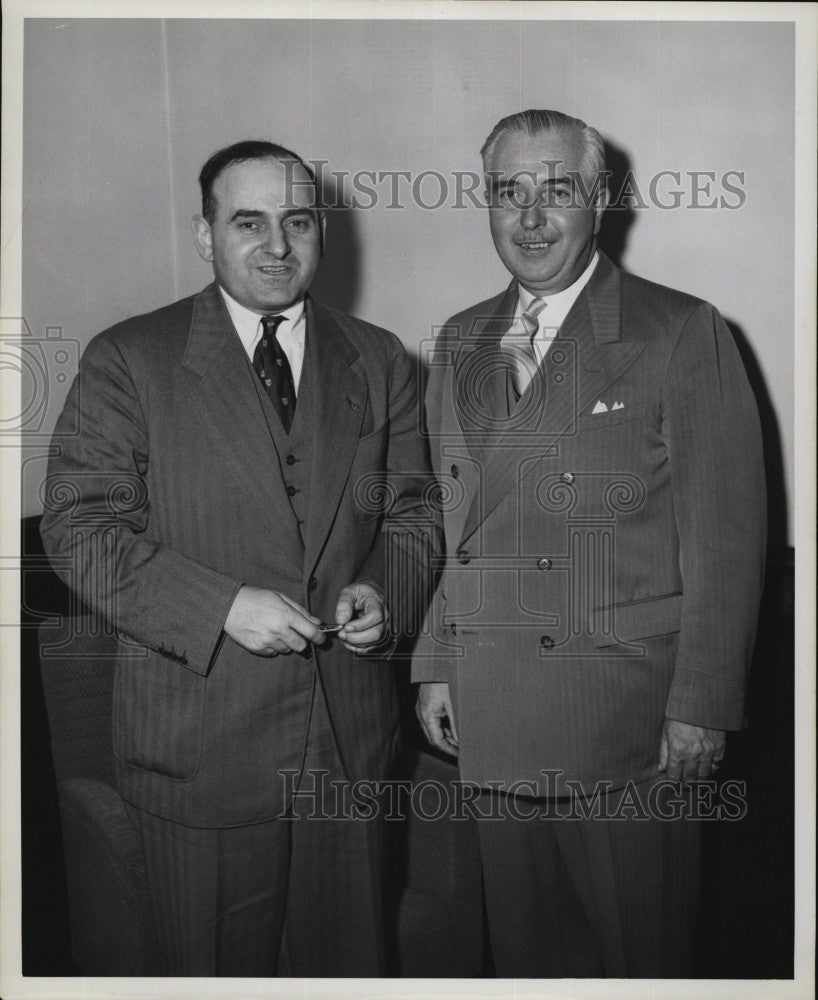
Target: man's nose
x=276 y=242
x=533 y=214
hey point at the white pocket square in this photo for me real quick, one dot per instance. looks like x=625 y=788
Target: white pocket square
x=600 y=407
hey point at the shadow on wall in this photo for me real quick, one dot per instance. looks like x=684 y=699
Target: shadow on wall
x=777 y=520
x=337 y=281
x=616 y=222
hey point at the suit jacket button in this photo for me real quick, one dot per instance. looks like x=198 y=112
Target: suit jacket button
x=455 y=471
x=547 y=642
x=568 y=478
x=312 y=584
x=291 y=490
x=463 y=557
x=544 y=563
x=291 y=460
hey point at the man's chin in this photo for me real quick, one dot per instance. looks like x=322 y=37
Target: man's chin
x=537 y=279
x=277 y=303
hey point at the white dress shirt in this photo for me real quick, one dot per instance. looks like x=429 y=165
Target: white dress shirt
x=557 y=307
x=291 y=332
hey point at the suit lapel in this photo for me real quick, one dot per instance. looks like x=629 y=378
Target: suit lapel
x=339 y=401
x=586 y=357
x=481 y=373
x=227 y=399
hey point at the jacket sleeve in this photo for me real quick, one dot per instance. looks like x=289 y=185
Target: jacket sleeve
x=431 y=660
x=96 y=521
x=712 y=433
x=401 y=561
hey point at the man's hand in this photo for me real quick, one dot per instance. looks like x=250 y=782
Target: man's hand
x=361 y=609
x=434 y=710
x=268 y=623
x=688 y=752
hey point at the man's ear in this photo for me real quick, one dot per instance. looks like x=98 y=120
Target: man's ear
x=203 y=237
x=600 y=204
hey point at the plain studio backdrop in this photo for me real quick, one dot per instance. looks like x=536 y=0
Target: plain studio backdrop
x=120 y=115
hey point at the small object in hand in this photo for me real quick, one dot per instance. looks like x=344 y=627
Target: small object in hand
x=330 y=628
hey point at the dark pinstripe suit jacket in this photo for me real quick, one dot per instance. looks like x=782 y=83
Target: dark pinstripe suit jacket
x=605 y=542
x=172 y=496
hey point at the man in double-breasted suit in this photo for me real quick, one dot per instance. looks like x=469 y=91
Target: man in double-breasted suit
x=243 y=499
x=600 y=451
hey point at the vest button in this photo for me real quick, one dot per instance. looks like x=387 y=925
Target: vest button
x=291 y=460
x=544 y=563
x=463 y=557
x=291 y=490
x=547 y=642
x=455 y=472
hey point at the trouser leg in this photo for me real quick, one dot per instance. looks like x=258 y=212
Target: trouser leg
x=537 y=925
x=638 y=878
x=218 y=896
x=334 y=920
x=585 y=897
x=224 y=899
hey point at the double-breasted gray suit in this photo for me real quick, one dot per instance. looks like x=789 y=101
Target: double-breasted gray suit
x=175 y=492
x=605 y=540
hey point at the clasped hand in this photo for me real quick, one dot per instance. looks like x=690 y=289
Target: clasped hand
x=267 y=622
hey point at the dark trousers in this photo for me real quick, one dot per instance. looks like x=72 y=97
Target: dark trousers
x=296 y=896
x=586 y=898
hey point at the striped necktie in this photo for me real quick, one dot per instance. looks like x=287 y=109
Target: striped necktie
x=519 y=343
x=273 y=368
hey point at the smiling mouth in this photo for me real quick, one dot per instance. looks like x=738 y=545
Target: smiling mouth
x=534 y=246
x=274 y=270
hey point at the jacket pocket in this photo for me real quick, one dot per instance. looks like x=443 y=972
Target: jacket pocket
x=612 y=418
x=621 y=623
x=159 y=717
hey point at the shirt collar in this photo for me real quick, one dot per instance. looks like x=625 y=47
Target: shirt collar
x=557 y=305
x=248 y=322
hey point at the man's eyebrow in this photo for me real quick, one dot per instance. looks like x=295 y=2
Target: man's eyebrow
x=304 y=210
x=246 y=213
x=502 y=184
x=255 y=213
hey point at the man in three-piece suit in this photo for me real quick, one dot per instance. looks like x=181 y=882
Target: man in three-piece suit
x=605 y=537
x=223 y=503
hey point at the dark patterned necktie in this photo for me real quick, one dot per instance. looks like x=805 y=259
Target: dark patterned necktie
x=273 y=368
